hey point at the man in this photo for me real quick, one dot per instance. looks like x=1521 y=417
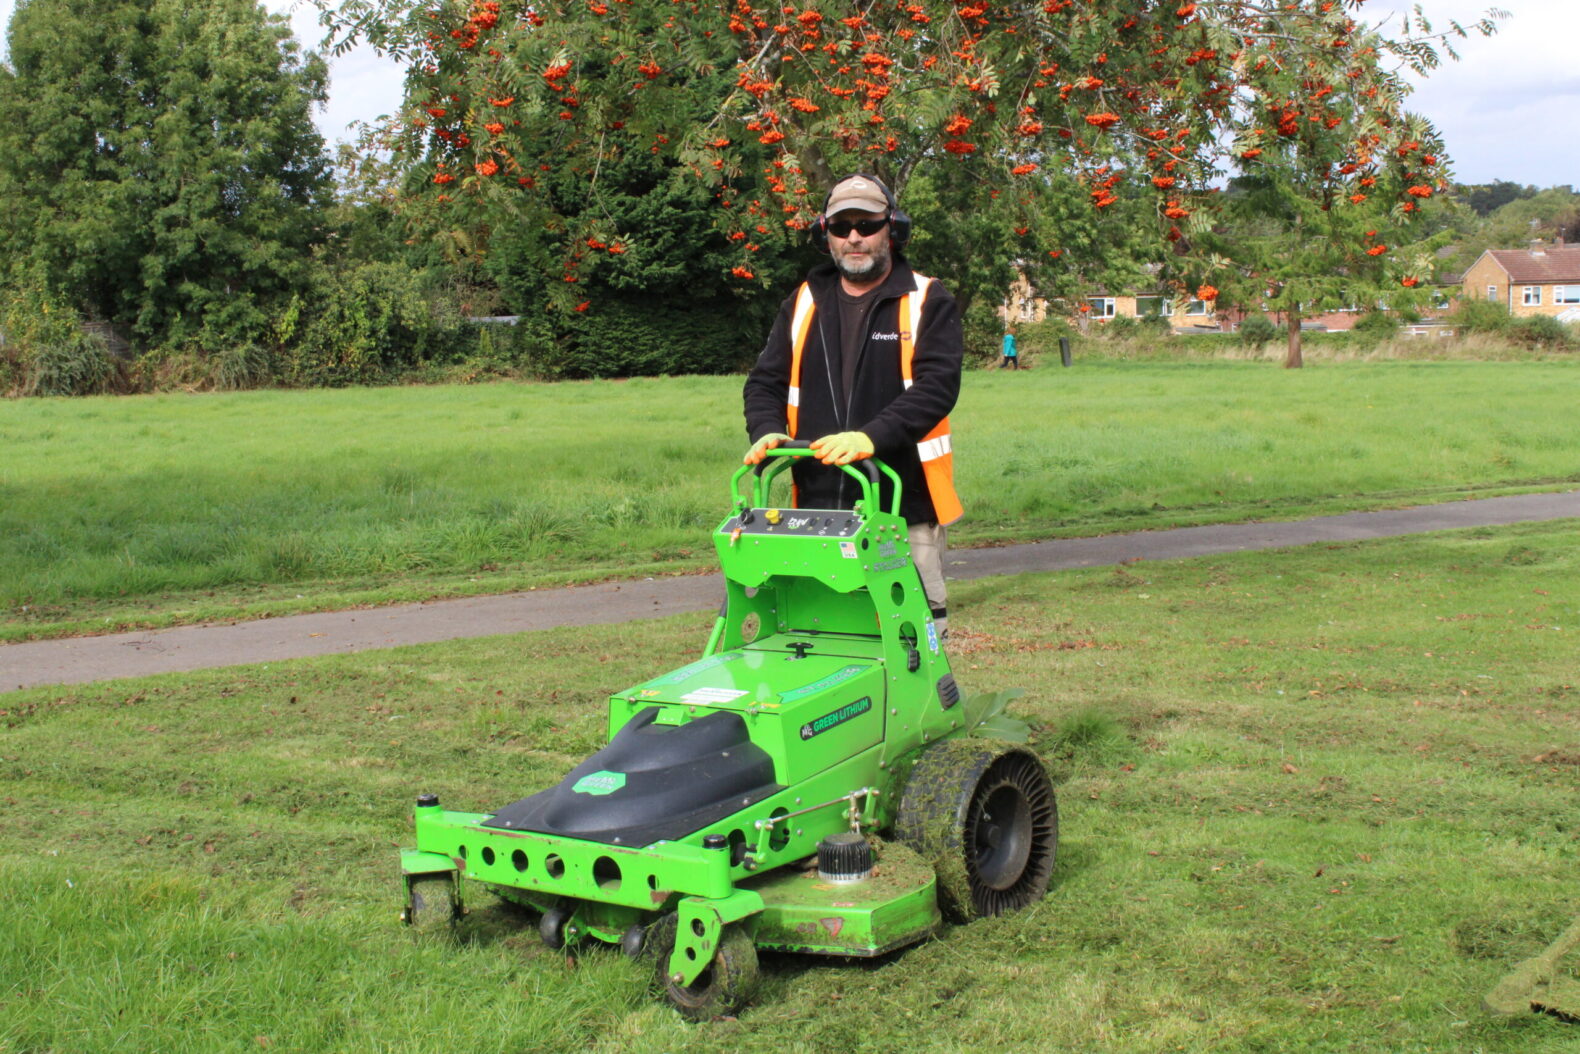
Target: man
x=864 y=359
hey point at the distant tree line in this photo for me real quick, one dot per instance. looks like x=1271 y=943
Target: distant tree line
x=631 y=185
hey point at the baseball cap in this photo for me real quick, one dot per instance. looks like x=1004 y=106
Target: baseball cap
x=856 y=192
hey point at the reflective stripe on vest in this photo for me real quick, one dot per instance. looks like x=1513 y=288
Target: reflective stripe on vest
x=800 y=326
x=935 y=450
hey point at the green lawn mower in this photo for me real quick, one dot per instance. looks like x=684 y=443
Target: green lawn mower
x=815 y=783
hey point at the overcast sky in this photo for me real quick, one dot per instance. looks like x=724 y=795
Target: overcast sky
x=1509 y=109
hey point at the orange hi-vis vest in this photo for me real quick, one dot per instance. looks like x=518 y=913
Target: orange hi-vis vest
x=935 y=450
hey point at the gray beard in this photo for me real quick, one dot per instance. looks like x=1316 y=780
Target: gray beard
x=875 y=266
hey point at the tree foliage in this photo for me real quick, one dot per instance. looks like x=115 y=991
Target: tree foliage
x=159 y=168
x=1486 y=198
x=1035 y=116
x=1548 y=215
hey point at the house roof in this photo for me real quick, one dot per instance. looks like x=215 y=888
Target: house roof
x=1540 y=266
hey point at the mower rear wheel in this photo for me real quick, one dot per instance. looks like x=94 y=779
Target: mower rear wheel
x=722 y=988
x=984 y=815
x=431 y=909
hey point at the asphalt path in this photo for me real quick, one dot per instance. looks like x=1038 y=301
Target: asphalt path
x=79 y=660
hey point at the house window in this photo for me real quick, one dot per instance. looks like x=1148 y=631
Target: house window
x=1158 y=307
x=1566 y=294
x=1102 y=306
x=1197 y=307
x=1532 y=296
x=1492 y=293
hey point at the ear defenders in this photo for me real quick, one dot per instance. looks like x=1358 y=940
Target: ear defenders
x=899 y=222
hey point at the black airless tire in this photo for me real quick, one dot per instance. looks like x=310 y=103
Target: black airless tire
x=723 y=988
x=551 y=927
x=983 y=813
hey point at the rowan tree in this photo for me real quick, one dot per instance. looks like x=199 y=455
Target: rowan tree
x=1317 y=221
x=1094 y=102
x=159 y=167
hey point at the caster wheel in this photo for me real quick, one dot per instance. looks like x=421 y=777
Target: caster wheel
x=552 y=926
x=722 y=988
x=432 y=908
x=633 y=940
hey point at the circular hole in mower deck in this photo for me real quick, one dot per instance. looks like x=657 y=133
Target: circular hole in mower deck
x=897 y=594
x=519 y=860
x=488 y=856
x=781 y=832
x=606 y=873
x=554 y=866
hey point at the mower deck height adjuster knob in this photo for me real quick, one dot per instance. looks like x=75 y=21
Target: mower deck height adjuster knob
x=844 y=857
x=427 y=801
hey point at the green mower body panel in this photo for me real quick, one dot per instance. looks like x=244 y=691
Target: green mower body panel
x=822 y=680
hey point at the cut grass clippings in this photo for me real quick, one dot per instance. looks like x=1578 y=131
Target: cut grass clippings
x=1311 y=800
x=151 y=511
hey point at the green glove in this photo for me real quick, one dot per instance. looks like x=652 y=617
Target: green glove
x=842 y=448
x=760 y=448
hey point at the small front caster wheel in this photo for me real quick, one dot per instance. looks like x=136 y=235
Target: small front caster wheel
x=552 y=926
x=723 y=988
x=431 y=907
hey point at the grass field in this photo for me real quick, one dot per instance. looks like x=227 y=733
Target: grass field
x=1316 y=800
x=156 y=510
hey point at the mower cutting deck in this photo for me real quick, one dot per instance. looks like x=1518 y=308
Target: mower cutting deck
x=734 y=805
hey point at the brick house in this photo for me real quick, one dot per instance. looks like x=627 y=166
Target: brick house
x=1184 y=314
x=1538 y=281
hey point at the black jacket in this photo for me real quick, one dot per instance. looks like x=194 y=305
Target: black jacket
x=895 y=418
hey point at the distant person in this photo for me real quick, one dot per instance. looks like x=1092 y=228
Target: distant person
x=1011 y=358
x=864 y=359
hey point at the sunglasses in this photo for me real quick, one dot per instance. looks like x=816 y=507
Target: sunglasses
x=866 y=228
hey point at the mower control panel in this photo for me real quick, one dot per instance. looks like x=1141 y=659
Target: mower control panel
x=825 y=523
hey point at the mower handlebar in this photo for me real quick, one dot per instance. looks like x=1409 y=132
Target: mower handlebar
x=801 y=447
x=777 y=458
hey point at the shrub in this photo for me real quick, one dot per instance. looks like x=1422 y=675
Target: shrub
x=1257 y=330
x=638 y=335
x=1121 y=327
x=240 y=366
x=1480 y=316
x=369 y=323
x=983 y=331
x=44 y=349
x=78 y=365
x=1378 y=324
x=1542 y=331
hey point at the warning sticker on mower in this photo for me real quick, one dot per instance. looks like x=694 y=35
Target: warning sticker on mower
x=835 y=719
x=713 y=695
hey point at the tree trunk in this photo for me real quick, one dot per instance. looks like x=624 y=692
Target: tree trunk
x=1292 y=359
